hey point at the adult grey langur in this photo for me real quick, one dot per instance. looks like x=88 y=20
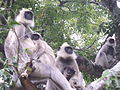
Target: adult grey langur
x=23 y=45
x=66 y=63
x=66 y=58
x=106 y=54
x=17 y=35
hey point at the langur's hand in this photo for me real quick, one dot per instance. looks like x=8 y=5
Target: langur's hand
x=24 y=74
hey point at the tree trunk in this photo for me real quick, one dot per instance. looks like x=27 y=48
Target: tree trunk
x=27 y=84
x=117 y=36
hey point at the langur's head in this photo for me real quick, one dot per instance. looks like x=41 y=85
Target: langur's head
x=36 y=36
x=68 y=72
x=25 y=17
x=111 y=41
x=66 y=51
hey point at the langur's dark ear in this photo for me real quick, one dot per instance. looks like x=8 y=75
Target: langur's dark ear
x=35 y=36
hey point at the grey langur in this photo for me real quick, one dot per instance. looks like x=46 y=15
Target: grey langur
x=24 y=44
x=66 y=63
x=106 y=54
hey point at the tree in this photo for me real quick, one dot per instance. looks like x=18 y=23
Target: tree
x=82 y=23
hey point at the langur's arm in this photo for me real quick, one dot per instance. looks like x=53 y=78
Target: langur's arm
x=40 y=50
x=76 y=66
x=10 y=46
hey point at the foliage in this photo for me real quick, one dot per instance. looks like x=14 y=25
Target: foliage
x=112 y=83
x=77 y=22
x=5 y=76
x=65 y=23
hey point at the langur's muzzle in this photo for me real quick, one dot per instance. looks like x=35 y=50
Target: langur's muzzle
x=28 y=15
x=35 y=36
x=111 y=41
x=69 y=50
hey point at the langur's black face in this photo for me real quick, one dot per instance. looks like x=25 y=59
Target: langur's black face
x=111 y=41
x=35 y=36
x=28 y=15
x=68 y=50
x=68 y=72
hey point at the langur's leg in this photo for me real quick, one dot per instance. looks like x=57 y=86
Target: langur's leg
x=51 y=86
x=105 y=61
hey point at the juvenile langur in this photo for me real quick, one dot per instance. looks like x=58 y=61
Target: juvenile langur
x=68 y=72
x=66 y=63
x=24 y=44
x=74 y=80
x=106 y=54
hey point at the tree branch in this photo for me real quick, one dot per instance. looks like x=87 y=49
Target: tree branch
x=94 y=2
x=1 y=65
x=83 y=49
x=2 y=50
x=99 y=83
x=63 y=2
x=3 y=20
x=2 y=4
x=89 y=67
x=27 y=84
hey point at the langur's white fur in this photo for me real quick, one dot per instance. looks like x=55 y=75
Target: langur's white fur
x=103 y=58
x=38 y=50
x=20 y=18
x=77 y=77
x=63 y=54
x=77 y=80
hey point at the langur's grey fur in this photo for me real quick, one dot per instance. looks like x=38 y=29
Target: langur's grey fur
x=22 y=41
x=106 y=54
x=66 y=63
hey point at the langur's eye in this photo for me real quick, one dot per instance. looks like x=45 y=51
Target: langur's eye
x=28 y=15
x=69 y=50
x=35 y=36
x=111 y=40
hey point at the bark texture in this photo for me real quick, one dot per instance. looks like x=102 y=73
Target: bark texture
x=89 y=67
